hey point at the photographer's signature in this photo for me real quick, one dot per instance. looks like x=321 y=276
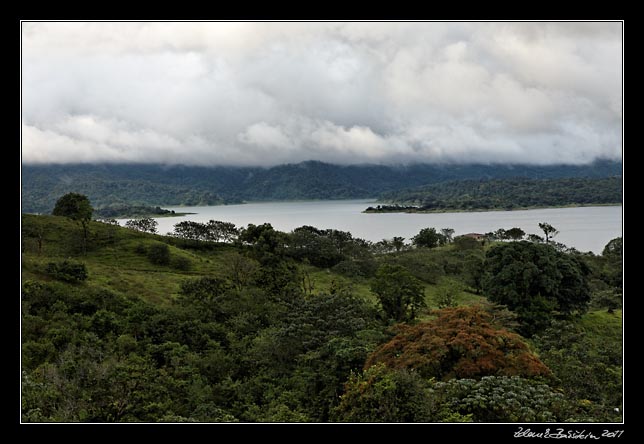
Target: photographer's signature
x=567 y=434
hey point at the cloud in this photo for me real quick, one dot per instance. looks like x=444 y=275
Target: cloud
x=266 y=93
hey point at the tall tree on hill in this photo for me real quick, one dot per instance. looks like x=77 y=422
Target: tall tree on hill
x=515 y=233
x=398 y=242
x=77 y=208
x=428 y=238
x=448 y=234
x=548 y=230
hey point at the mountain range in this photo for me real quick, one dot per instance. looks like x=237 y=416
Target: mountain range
x=162 y=185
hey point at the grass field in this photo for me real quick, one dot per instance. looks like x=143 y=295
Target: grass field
x=117 y=262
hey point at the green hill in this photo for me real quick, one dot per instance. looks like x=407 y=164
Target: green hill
x=110 y=186
x=269 y=328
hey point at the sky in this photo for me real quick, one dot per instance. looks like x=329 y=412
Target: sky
x=267 y=93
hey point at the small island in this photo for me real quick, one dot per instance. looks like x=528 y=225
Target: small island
x=124 y=210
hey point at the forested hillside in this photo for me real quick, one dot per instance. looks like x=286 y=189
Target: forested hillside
x=249 y=324
x=154 y=185
x=505 y=194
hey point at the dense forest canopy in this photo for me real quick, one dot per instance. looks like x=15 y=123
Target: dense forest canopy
x=504 y=194
x=218 y=323
x=109 y=186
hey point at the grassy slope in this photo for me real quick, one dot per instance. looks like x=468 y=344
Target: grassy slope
x=115 y=265
x=601 y=324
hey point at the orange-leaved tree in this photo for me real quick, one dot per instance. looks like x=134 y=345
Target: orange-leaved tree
x=461 y=342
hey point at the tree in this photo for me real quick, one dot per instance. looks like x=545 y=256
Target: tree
x=536 y=281
x=146 y=225
x=398 y=243
x=399 y=292
x=535 y=238
x=77 y=208
x=216 y=230
x=428 y=238
x=447 y=234
x=381 y=394
x=313 y=245
x=614 y=248
x=204 y=290
x=587 y=363
x=277 y=275
x=461 y=342
x=383 y=246
x=265 y=240
x=515 y=233
x=191 y=230
x=241 y=270
x=548 y=230
x=318 y=341
x=447 y=297
x=206 y=295
x=227 y=231
x=612 y=270
x=73 y=206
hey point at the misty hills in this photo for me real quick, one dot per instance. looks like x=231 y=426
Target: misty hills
x=148 y=184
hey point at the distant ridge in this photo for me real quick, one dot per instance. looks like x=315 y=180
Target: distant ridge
x=151 y=184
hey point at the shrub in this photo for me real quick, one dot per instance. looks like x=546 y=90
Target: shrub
x=467 y=243
x=159 y=254
x=501 y=399
x=67 y=271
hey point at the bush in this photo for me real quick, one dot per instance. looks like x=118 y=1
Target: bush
x=181 y=263
x=67 y=271
x=384 y=395
x=159 y=254
x=501 y=399
x=463 y=243
x=447 y=298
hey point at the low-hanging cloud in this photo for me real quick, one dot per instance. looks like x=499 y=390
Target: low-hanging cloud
x=222 y=93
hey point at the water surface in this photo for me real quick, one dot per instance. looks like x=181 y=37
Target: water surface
x=585 y=228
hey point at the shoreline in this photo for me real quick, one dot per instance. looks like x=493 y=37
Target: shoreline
x=151 y=216
x=485 y=210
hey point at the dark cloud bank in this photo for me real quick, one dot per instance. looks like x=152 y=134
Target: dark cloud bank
x=345 y=93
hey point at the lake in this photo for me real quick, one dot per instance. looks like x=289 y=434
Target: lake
x=585 y=228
